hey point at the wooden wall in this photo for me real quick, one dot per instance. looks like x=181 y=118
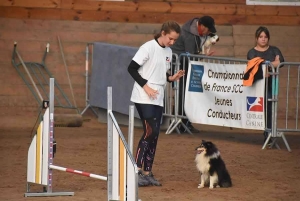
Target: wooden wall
x=34 y=23
x=226 y=12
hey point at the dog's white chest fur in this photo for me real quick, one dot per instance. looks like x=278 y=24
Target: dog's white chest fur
x=202 y=163
x=203 y=166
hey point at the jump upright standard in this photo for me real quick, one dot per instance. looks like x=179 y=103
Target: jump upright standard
x=120 y=160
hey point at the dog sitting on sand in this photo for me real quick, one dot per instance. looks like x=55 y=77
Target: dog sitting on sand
x=211 y=166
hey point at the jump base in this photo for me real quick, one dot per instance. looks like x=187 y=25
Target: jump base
x=45 y=194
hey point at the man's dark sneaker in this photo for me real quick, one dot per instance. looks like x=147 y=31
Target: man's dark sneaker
x=142 y=180
x=269 y=143
x=188 y=124
x=152 y=180
x=192 y=128
x=181 y=129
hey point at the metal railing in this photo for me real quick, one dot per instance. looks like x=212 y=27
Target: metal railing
x=181 y=63
x=284 y=99
x=36 y=77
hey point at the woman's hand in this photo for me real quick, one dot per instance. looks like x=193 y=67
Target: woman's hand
x=177 y=75
x=150 y=92
x=276 y=62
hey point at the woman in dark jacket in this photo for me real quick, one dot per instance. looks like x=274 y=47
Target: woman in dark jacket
x=268 y=53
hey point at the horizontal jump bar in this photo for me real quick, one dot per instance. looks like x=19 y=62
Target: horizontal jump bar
x=86 y=174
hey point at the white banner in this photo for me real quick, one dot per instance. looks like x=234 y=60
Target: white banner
x=274 y=2
x=215 y=95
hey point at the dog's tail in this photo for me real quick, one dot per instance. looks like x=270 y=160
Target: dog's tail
x=225 y=179
x=225 y=184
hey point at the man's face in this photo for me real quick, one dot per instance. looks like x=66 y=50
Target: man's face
x=204 y=30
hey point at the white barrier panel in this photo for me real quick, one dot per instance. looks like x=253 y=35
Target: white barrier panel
x=215 y=95
x=34 y=160
x=131 y=186
x=31 y=161
x=37 y=161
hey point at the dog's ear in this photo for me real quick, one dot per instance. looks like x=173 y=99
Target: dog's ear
x=209 y=144
x=203 y=141
x=218 y=39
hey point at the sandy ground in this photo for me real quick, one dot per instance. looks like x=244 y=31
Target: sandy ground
x=257 y=174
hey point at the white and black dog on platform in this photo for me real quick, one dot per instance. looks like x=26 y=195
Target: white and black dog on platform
x=211 y=166
x=210 y=40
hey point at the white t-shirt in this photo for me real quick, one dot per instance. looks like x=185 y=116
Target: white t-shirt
x=155 y=61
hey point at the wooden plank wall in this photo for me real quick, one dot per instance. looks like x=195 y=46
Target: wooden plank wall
x=35 y=23
x=226 y=12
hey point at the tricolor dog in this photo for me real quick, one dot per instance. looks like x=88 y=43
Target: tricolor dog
x=211 y=166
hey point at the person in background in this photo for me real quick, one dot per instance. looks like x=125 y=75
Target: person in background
x=193 y=36
x=149 y=68
x=269 y=53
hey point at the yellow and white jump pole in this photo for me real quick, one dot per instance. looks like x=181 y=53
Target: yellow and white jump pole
x=122 y=170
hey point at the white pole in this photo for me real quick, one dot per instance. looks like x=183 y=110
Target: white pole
x=86 y=174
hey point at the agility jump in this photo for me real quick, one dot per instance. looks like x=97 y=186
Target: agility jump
x=121 y=164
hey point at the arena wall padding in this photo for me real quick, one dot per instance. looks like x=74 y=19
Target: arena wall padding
x=109 y=68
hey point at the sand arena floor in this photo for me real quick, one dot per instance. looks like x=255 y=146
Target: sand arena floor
x=256 y=174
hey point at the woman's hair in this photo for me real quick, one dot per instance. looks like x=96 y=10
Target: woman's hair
x=167 y=27
x=260 y=30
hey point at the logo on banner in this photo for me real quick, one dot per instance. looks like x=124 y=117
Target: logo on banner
x=255 y=104
x=196 y=75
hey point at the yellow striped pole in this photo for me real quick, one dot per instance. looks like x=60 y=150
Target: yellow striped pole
x=38 y=155
x=122 y=171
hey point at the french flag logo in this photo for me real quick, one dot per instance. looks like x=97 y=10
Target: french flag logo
x=255 y=104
